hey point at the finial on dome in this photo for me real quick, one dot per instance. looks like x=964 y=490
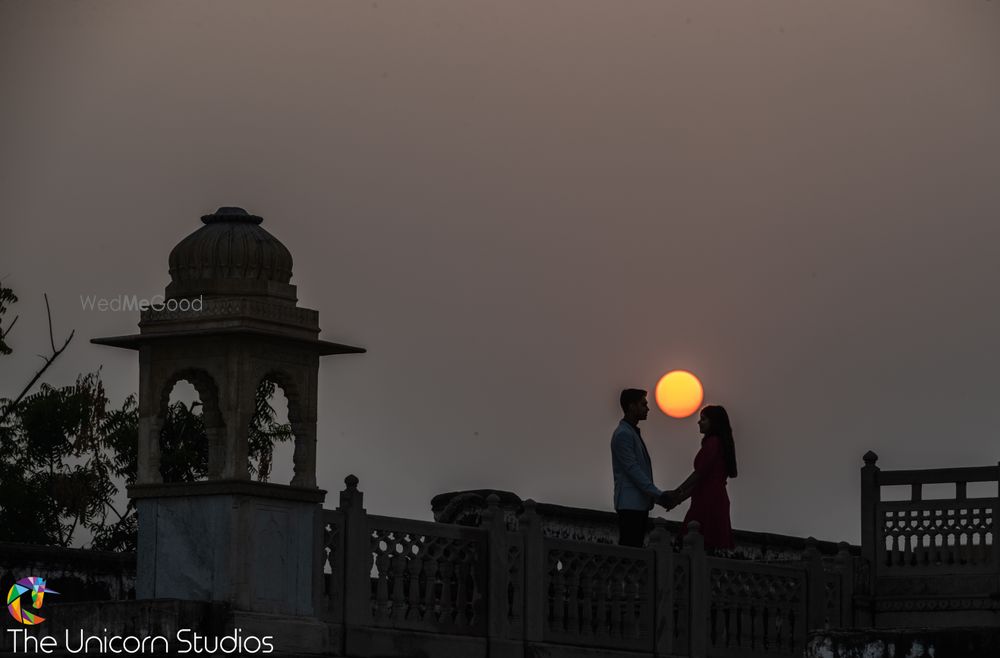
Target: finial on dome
x=231 y=214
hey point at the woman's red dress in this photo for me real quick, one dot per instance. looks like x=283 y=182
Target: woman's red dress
x=709 y=500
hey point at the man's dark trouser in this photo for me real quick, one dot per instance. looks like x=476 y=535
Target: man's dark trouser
x=632 y=527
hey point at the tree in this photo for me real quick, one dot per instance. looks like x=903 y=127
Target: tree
x=265 y=431
x=26 y=496
x=56 y=451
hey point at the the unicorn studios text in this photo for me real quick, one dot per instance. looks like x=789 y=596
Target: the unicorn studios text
x=185 y=640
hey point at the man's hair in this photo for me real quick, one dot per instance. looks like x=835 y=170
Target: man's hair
x=630 y=396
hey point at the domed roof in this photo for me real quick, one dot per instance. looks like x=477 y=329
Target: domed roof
x=230 y=255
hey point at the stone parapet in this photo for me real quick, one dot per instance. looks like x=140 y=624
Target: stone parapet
x=77 y=574
x=583 y=524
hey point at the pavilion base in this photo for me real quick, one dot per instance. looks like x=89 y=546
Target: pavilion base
x=252 y=545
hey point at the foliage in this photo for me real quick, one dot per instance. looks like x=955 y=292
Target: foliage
x=265 y=431
x=57 y=472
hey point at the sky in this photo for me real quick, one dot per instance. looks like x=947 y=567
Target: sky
x=521 y=208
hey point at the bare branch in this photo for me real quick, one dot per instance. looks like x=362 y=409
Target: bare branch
x=115 y=510
x=72 y=529
x=9 y=408
x=9 y=327
x=48 y=312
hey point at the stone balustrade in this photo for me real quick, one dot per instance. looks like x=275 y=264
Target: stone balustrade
x=934 y=560
x=402 y=587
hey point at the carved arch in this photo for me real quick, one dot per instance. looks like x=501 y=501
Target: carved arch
x=212 y=416
x=303 y=425
x=286 y=382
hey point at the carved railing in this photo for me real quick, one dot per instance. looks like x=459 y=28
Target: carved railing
x=402 y=573
x=427 y=576
x=933 y=536
x=937 y=536
x=927 y=553
x=598 y=595
x=496 y=591
x=757 y=609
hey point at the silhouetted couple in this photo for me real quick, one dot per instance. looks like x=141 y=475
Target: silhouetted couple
x=635 y=492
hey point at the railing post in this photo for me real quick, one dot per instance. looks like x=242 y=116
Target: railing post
x=321 y=604
x=357 y=556
x=845 y=567
x=996 y=538
x=534 y=573
x=497 y=605
x=815 y=586
x=662 y=589
x=869 y=508
x=700 y=589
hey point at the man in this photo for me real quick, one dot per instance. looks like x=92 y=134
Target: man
x=635 y=492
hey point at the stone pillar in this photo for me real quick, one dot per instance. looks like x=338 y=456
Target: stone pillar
x=869 y=521
x=358 y=555
x=215 y=433
x=304 y=456
x=815 y=586
x=534 y=573
x=996 y=537
x=237 y=403
x=663 y=589
x=149 y=450
x=845 y=568
x=304 y=425
x=500 y=643
x=150 y=422
x=701 y=590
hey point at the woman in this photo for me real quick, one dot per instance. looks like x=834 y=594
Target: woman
x=706 y=486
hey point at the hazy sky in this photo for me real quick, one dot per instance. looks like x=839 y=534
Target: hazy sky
x=520 y=208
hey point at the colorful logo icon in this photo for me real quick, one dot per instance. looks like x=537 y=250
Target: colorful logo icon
x=36 y=586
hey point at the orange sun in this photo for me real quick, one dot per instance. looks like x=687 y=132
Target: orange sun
x=679 y=394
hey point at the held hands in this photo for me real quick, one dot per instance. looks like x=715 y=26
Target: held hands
x=668 y=500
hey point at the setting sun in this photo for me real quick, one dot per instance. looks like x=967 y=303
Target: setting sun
x=679 y=394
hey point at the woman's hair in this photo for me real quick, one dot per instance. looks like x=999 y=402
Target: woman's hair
x=720 y=427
